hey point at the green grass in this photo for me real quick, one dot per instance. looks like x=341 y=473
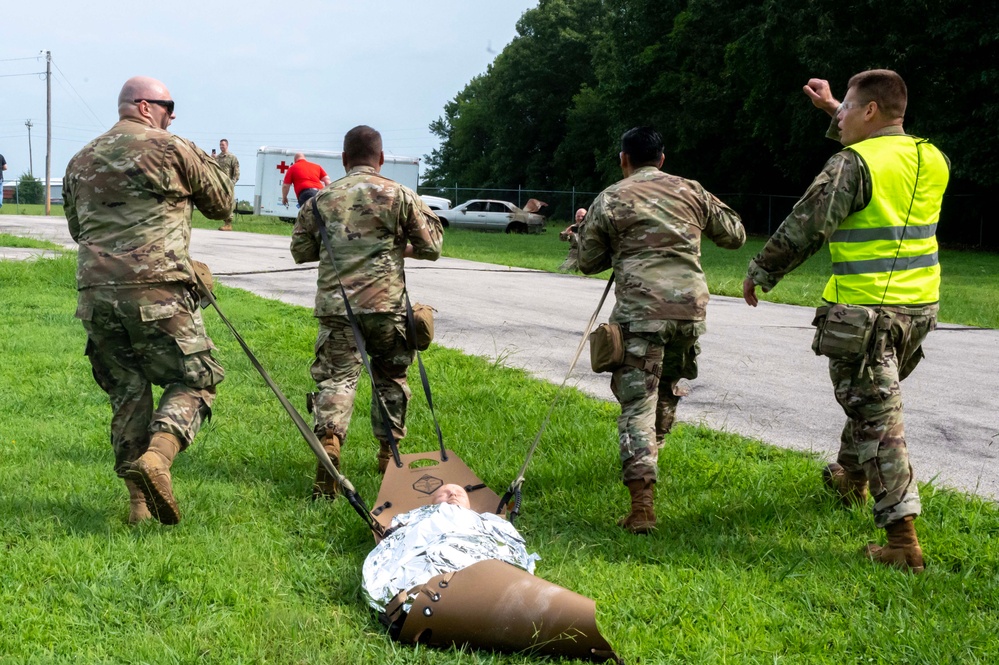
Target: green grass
x=753 y=562
x=7 y=240
x=969 y=289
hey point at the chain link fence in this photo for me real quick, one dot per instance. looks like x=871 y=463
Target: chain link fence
x=962 y=220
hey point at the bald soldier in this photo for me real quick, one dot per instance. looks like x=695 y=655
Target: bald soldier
x=373 y=224
x=307 y=177
x=129 y=195
x=648 y=228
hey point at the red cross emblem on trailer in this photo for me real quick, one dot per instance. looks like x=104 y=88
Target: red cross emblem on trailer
x=282 y=167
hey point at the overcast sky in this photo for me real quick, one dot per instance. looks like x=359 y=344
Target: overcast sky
x=295 y=75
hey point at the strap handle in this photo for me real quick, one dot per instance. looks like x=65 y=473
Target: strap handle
x=514 y=491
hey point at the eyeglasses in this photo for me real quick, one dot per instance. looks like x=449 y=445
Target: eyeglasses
x=846 y=106
x=168 y=104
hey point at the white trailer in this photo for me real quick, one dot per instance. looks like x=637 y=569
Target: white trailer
x=272 y=163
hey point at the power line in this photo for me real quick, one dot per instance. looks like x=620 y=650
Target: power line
x=79 y=96
x=35 y=57
x=28 y=74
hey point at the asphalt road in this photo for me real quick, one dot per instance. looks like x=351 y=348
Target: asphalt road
x=758 y=376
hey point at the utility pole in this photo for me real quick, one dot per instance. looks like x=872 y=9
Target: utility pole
x=31 y=168
x=48 y=133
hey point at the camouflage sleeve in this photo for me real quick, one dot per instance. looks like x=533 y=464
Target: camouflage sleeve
x=235 y=170
x=594 y=240
x=69 y=208
x=836 y=192
x=305 y=242
x=211 y=189
x=422 y=227
x=724 y=226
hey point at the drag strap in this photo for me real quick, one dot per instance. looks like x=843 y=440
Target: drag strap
x=310 y=437
x=514 y=491
x=358 y=337
x=411 y=330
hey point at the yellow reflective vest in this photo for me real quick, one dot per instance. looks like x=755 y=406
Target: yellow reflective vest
x=887 y=252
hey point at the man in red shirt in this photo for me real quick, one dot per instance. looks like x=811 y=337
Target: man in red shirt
x=307 y=177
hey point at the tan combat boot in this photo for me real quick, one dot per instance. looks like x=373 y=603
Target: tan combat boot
x=850 y=487
x=385 y=455
x=642 y=518
x=137 y=509
x=151 y=473
x=327 y=486
x=225 y=227
x=902 y=551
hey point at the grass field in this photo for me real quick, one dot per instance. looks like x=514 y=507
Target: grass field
x=969 y=289
x=753 y=562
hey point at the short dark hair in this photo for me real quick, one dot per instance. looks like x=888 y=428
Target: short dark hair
x=643 y=145
x=884 y=87
x=362 y=145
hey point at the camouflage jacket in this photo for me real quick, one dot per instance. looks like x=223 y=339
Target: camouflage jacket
x=842 y=188
x=129 y=195
x=369 y=220
x=229 y=165
x=648 y=228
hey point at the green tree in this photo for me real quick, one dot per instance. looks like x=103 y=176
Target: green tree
x=30 y=189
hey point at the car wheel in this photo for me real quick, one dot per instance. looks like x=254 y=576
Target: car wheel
x=444 y=223
x=517 y=227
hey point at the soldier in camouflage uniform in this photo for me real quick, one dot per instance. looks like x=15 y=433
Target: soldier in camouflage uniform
x=900 y=282
x=571 y=235
x=230 y=166
x=128 y=200
x=373 y=224
x=648 y=228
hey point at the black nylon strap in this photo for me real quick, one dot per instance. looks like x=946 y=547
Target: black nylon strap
x=349 y=492
x=411 y=334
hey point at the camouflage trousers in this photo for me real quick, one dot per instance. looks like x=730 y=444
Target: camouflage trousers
x=338 y=365
x=139 y=336
x=648 y=403
x=873 y=439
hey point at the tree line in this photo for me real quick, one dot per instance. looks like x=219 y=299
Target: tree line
x=721 y=80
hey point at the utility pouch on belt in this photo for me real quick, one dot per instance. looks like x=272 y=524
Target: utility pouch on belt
x=420 y=332
x=607 y=347
x=204 y=280
x=843 y=332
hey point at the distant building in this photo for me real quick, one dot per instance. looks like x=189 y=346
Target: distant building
x=10 y=195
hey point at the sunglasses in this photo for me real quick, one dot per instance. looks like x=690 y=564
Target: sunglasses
x=168 y=104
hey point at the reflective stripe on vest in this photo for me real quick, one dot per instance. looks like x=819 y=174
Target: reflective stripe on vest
x=887 y=252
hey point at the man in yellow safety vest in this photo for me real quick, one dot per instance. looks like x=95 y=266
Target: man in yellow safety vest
x=876 y=203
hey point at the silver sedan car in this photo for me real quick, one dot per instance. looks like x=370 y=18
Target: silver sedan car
x=490 y=215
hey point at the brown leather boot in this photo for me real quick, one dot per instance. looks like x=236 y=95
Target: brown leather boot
x=151 y=472
x=384 y=456
x=327 y=486
x=902 y=551
x=642 y=518
x=137 y=509
x=850 y=486
x=225 y=227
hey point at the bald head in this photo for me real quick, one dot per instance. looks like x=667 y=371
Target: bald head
x=580 y=215
x=144 y=88
x=299 y=156
x=453 y=494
